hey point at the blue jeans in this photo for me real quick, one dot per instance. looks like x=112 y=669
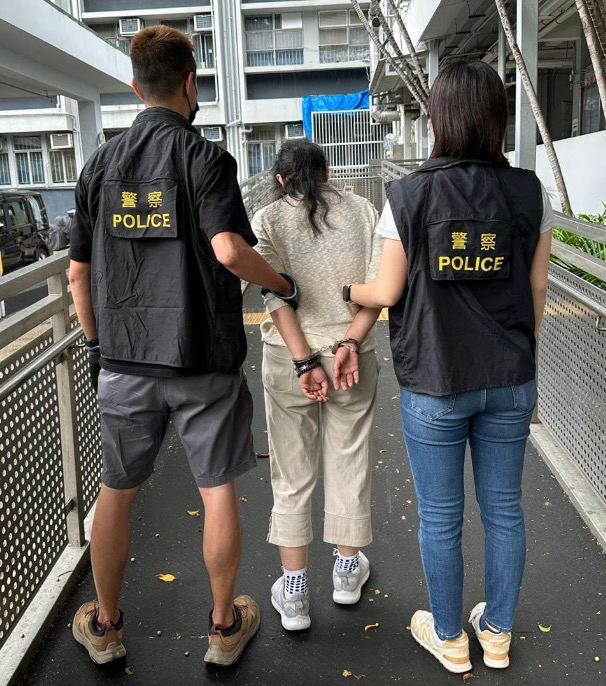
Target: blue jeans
x=496 y=422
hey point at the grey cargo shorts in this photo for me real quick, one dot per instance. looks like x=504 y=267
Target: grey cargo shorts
x=212 y=414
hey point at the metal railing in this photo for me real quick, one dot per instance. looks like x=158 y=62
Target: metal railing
x=50 y=453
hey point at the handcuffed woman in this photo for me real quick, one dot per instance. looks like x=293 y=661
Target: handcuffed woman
x=322 y=237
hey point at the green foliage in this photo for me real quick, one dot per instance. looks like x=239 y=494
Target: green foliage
x=594 y=248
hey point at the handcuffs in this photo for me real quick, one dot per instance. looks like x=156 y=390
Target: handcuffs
x=313 y=361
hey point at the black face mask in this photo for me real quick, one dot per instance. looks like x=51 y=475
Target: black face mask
x=192 y=113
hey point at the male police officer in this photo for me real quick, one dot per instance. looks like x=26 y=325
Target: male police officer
x=158 y=243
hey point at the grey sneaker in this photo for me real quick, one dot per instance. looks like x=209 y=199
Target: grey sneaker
x=293 y=610
x=348 y=585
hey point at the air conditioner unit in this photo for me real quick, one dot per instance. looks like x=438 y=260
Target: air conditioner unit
x=3 y=144
x=294 y=131
x=203 y=22
x=128 y=27
x=61 y=141
x=212 y=133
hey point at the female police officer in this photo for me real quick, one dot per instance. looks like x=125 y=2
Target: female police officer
x=466 y=277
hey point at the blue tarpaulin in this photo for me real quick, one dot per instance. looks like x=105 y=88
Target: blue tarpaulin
x=332 y=103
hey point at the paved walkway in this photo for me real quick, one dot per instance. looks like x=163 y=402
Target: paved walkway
x=565 y=586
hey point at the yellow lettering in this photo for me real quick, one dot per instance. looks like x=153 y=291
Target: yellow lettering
x=155 y=220
x=129 y=221
x=166 y=220
x=486 y=264
x=457 y=263
x=116 y=219
x=498 y=263
x=443 y=261
x=467 y=267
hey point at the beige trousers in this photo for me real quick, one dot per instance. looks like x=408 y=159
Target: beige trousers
x=301 y=434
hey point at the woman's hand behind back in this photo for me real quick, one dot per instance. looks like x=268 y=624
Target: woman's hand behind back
x=314 y=385
x=346 y=369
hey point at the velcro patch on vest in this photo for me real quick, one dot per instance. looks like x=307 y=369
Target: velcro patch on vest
x=469 y=251
x=141 y=209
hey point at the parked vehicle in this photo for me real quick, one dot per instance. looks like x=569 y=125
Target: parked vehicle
x=24 y=228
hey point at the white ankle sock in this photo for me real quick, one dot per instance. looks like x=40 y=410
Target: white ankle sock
x=348 y=564
x=295 y=581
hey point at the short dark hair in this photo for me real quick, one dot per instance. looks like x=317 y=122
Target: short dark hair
x=161 y=57
x=468 y=110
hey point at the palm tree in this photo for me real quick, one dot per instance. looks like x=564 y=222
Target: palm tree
x=536 y=108
x=409 y=46
x=593 y=21
x=394 y=61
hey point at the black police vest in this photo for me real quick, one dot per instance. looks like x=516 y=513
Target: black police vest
x=466 y=319
x=161 y=299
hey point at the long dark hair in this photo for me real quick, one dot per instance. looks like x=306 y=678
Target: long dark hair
x=468 y=110
x=304 y=171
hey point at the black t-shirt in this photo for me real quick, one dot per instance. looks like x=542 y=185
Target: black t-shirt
x=209 y=202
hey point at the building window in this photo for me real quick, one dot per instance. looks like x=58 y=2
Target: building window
x=342 y=37
x=274 y=40
x=5 y=170
x=593 y=117
x=63 y=166
x=205 y=50
x=30 y=163
x=261 y=148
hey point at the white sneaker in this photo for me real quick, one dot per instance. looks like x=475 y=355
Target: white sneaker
x=348 y=585
x=495 y=646
x=294 y=610
x=453 y=655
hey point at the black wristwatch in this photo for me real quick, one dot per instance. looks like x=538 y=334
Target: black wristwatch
x=347 y=293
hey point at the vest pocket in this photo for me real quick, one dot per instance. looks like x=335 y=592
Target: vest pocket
x=469 y=250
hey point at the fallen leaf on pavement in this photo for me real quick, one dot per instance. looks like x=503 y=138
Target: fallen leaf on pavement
x=167 y=578
x=346 y=673
x=130 y=671
x=244 y=499
x=371 y=626
x=545 y=629
x=468 y=677
x=193 y=513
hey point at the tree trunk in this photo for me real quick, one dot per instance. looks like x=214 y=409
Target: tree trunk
x=536 y=108
x=597 y=56
x=385 y=53
x=409 y=46
x=417 y=88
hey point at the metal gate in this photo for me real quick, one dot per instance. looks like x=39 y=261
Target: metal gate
x=349 y=138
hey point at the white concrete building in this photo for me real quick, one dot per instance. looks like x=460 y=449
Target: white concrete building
x=550 y=36
x=52 y=72
x=256 y=60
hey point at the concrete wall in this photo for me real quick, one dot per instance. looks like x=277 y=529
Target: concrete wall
x=582 y=160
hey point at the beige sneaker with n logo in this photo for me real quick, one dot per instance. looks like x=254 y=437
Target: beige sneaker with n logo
x=225 y=648
x=102 y=645
x=495 y=646
x=453 y=654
